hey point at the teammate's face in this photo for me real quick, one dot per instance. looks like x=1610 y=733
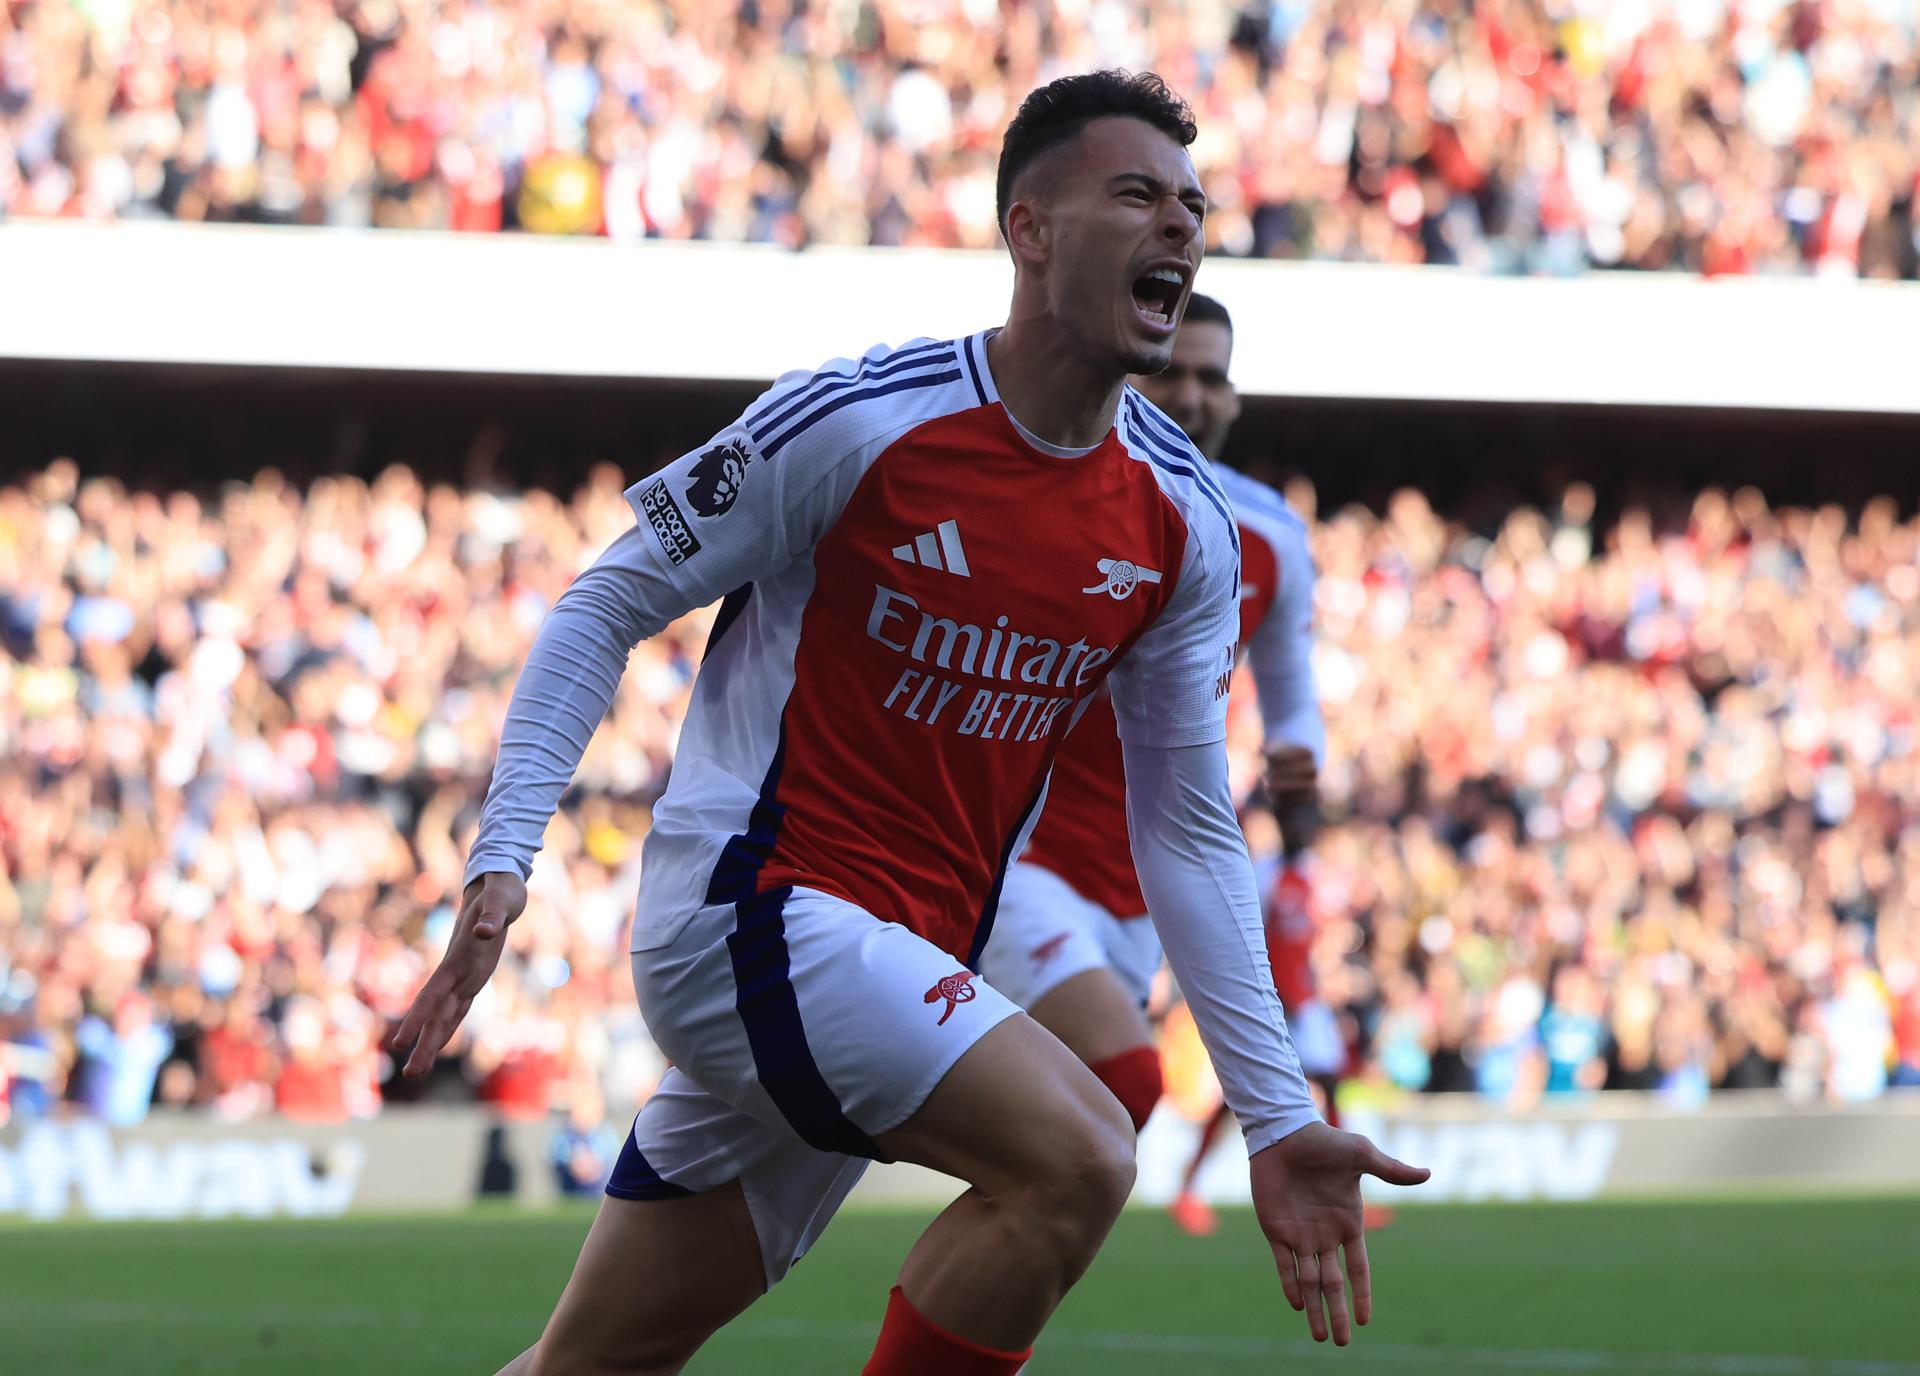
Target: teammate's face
x=1117 y=233
x=1193 y=389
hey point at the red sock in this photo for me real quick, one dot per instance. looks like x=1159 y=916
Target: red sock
x=913 y=1345
x=1134 y=1078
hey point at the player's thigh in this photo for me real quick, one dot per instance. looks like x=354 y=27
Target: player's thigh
x=867 y=1041
x=1044 y=934
x=654 y=1279
x=1095 y=1015
x=1017 y=1109
x=689 y=1141
x=813 y=1014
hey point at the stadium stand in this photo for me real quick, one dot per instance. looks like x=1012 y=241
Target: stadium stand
x=1612 y=804
x=1536 y=136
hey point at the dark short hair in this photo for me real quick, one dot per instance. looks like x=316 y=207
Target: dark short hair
x=1056 y=112
x=1204 y=310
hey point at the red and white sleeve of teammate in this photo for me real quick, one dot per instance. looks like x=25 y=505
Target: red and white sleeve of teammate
x=1170 y=695
x=1280 y=650
x=671 y=562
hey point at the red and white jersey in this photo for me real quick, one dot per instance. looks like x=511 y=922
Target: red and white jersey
x=916 y=602
x=1082 y=833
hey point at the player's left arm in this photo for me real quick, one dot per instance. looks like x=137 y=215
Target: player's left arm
x=713 y=521
x=1280 y=654
x=1169 y=695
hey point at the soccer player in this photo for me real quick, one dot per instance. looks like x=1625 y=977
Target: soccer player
x=905 y=632
x=1072 y=943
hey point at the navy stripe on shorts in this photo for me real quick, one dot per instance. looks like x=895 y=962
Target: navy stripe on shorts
x=635 y=1178
x=764 y=995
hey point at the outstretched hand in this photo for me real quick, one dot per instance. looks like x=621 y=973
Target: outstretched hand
x=479 y=935
x=1306 y=1193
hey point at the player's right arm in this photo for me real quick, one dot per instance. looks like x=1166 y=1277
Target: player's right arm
x=1169 y=696
x=716 y=519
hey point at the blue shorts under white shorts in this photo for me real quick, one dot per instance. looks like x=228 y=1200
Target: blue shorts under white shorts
x=1045 y=933
x=799 y=1028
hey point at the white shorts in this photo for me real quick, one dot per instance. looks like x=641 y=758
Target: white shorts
x=800 y=1027
x=1045 y=933
x=1316 y=1038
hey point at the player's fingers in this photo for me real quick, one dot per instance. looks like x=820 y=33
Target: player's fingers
x=441 y=1030
x=1310 y=1291
x=1334 y=1285
x=432 y=1037
x=1361 y=1275
x=408 y=1032
x=1289 y=1276
x=1393 y=1171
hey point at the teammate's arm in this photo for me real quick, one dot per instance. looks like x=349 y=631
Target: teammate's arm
x=1280 y=653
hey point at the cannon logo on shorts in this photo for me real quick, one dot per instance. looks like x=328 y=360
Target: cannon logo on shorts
x=717 y=476
x=956 y=989
x=1049 y=948
x=669 y=526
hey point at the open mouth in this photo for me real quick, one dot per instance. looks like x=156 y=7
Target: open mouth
x=1156 y=295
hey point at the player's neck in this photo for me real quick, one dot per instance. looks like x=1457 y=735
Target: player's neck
x=1050 y=389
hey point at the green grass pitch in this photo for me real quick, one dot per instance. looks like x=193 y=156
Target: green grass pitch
x=1803 y=1288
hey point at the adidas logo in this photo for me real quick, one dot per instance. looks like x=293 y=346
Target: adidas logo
x=939 y=548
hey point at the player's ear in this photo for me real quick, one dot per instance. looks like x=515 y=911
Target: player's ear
x=1231 y=411
x=1029 y=235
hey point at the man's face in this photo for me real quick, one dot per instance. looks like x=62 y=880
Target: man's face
x=1193 y=389
x=1115 y=227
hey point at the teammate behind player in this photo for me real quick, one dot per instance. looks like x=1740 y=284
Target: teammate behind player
x=907 y=629
x=1072 y=943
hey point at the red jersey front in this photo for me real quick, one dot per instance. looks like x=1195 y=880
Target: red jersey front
x=1082 y=833
x=908 y=628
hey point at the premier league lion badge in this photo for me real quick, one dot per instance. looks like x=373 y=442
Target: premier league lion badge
x=717 y=475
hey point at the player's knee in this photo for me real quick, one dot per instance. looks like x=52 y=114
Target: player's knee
x=1134 y=1079
x=1091 y=1173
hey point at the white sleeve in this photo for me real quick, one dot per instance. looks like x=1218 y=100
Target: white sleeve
x=563 y=691
x=741 y=507
x=1280 y=653
x=763 y=491
x=1193 y=868
x=1171 y=687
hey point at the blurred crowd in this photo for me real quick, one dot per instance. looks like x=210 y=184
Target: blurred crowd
x=1630 y=807
x=1624 y=807
x=1506 y=135
x=243 y=742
